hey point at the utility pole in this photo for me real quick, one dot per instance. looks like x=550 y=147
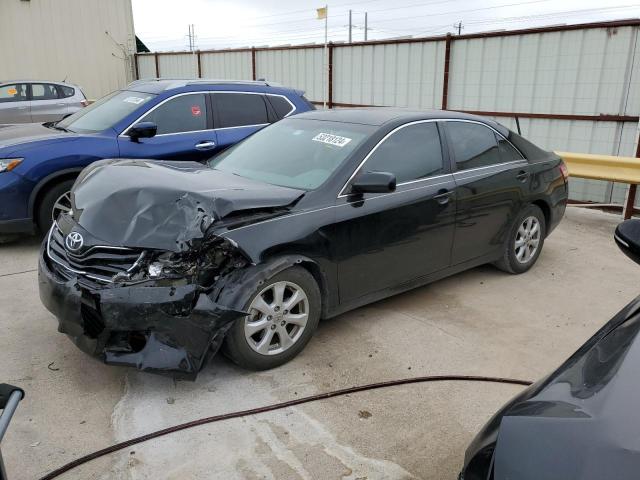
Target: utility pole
x=366 y=26
x=458 y=26
x=350 y=26
x=192 y=37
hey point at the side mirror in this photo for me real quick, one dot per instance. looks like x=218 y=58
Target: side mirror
x=627 y=237
x=142 y=130
x=374 y=182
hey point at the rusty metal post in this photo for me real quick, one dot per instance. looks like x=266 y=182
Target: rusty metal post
x=445 y=80
x=135 y=65
x=253 y=63
x=631 y=193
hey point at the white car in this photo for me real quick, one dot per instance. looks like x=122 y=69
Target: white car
x=26 y=101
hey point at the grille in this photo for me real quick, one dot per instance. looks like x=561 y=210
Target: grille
x=98 y=263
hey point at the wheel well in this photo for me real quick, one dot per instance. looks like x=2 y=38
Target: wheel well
x=43 y=189
x=314 y=270
x=546 y=212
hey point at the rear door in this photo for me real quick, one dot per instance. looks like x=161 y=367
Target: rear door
x=237 y=115
x=491 y=181
x=384 y=240
x=15 y=106
x=184 y=130
x=46 y=103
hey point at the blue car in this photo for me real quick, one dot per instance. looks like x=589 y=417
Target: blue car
x=152 y=119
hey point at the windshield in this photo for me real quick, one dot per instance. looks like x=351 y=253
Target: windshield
x=105 y=113
x=293 y=153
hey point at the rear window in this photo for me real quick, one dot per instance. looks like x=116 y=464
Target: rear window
x=239 y=109
x=281 y=105
x=66 y=91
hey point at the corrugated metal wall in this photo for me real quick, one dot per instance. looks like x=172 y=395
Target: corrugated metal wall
x=298 y=68
x=227 y=66
x=564 y=71
x=86 y=42
x=405 y=74
x=146 y=66
x=178 y=66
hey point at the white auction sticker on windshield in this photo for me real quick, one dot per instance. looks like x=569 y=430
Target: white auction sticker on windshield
x=136 y=100
x=336 y=140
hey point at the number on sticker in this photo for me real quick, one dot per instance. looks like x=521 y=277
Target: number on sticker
x=330 y=139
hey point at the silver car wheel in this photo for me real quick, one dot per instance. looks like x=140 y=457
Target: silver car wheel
x=61 y=205
x=277 y=317
x=527 y=239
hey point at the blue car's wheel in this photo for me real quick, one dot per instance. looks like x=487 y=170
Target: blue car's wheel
x=55 y=201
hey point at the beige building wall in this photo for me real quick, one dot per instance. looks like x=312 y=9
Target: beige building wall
x=87 y=42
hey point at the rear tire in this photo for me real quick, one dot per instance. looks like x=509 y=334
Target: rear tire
x=52 y=199
x=256 y=342
x=525 y=241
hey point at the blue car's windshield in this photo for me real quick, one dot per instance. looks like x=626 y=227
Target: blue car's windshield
x=293 y=152
x=106 y=112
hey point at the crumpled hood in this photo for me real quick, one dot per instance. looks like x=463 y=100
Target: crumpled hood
x=16 y=135
x=164 y=205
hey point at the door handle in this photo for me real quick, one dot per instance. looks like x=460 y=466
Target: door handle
x=442 y=197
x=205 y=145
x=522 y=175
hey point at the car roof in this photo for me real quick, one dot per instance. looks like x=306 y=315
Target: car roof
x=23 y=80
x=159 y=85
x=380 y=115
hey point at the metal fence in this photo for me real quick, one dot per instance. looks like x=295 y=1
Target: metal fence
x=572 y=88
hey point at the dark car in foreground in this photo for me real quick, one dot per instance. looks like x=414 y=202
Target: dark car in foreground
x=580 y=422
x=159 y=263
x=161 y=119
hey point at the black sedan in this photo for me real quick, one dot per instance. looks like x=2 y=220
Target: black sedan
x=581 y=421
x=161 y=263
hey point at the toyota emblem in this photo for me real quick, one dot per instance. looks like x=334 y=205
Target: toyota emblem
x=74 y=241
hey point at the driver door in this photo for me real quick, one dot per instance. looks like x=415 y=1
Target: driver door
x=382 y=240
x=184 y=131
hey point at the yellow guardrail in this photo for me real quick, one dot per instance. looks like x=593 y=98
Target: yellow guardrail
x=602 y=167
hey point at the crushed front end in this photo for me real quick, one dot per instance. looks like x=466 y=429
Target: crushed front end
x=150 y=309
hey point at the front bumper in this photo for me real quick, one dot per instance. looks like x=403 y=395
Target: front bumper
x=160 y=329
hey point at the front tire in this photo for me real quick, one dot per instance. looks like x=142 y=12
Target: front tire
x=56 y=199
x=284 y=314
x=525 y=241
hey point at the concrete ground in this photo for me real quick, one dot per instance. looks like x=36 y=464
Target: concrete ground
x=482 y=322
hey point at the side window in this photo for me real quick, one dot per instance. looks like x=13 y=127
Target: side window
x=66 y=92
x=281 y=105
x=474 y=145
x=43 y=91
x=411 y=153
x=239 y=109
x=507 y=152
x=184 y=113
x=13 y=93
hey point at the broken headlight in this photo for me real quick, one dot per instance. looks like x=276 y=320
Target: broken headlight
x=171 y=265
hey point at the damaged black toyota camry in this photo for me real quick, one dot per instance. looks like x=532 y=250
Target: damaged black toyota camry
x=160 y=263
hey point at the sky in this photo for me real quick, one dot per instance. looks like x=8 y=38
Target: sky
x=163 y=24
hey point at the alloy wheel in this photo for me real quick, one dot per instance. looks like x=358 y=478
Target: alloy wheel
x=61 y=205
x=527 y=239
x=277 y=317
